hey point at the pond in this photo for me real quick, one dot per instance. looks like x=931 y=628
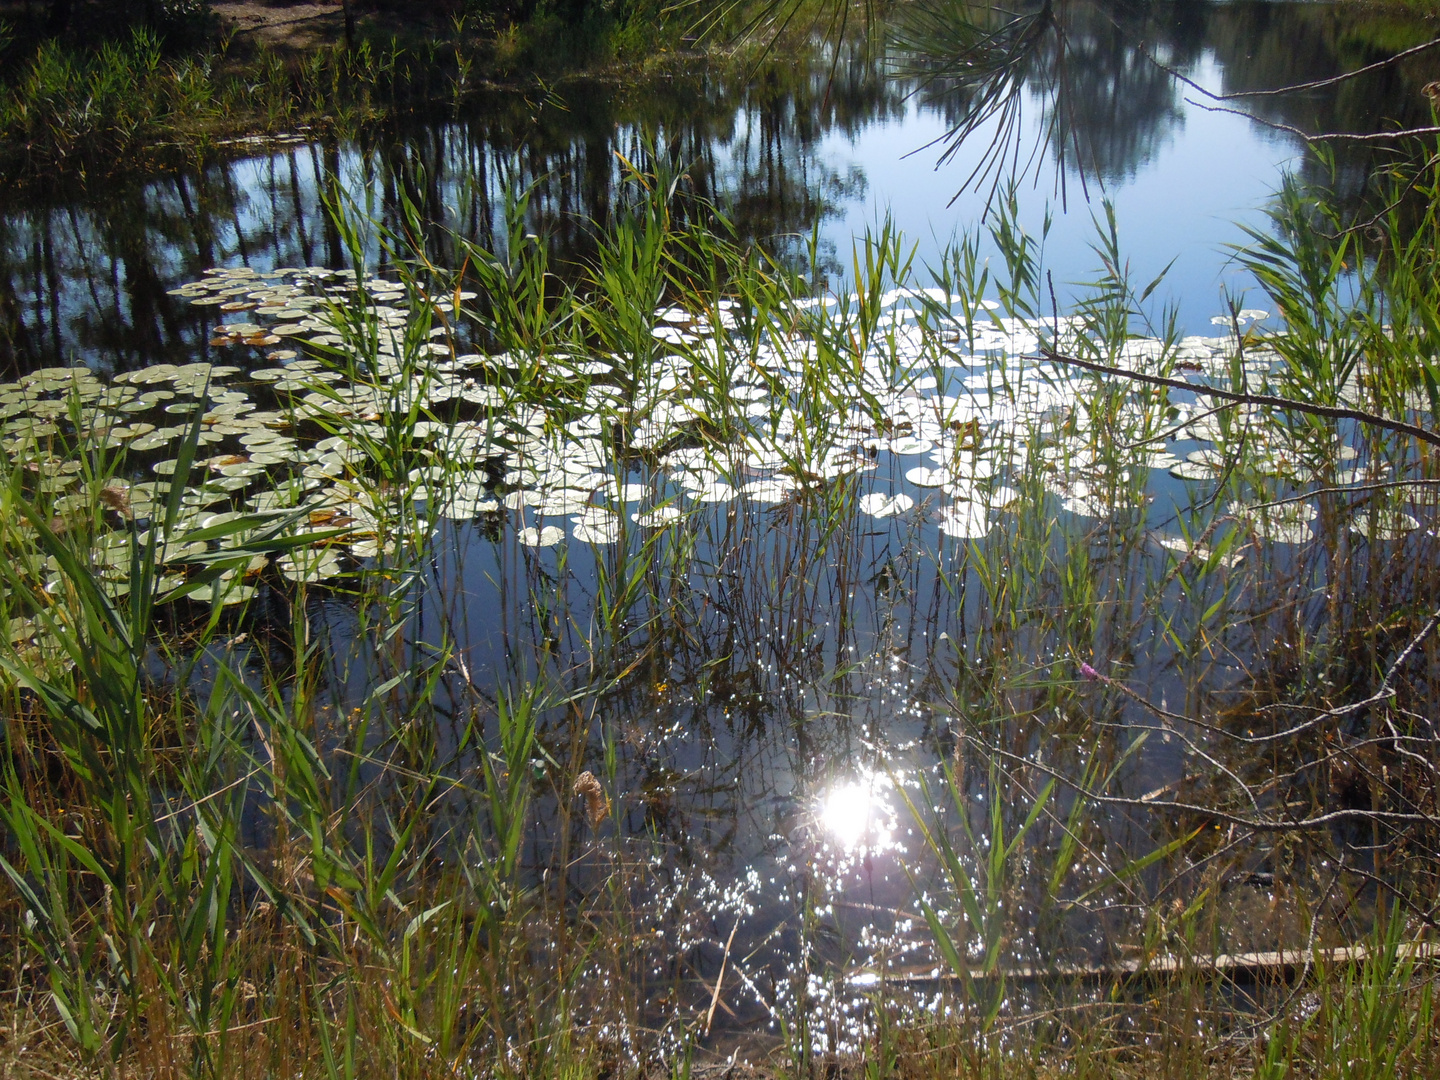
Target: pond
x=84 y=275
x=766 y=584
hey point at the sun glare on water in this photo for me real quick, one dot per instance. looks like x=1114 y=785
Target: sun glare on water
x=856 y=813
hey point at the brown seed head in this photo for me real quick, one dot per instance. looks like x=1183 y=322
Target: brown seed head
x=597 y=806
x=117 y=498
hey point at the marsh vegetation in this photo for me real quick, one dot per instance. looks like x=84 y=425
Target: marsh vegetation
x=667 y=649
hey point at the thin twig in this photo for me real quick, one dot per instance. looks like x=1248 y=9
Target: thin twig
x=1351 y=489
x=1315 y=84
x=720 y=978
x=1308 y=824
x=1324 y=136
x=1333 y=412
x=1384 y=692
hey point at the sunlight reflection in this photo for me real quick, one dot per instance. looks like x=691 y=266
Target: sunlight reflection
x=857 y=812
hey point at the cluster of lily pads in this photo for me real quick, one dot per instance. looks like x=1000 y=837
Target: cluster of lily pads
x=949 y=415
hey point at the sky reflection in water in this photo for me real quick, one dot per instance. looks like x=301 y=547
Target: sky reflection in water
x=1209 y=177
x=83 y=273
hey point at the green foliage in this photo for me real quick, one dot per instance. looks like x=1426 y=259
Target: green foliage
x=105 y=103
x=214 y=871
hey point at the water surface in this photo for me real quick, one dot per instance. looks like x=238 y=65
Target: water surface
x=793 y=677
x=843 y=140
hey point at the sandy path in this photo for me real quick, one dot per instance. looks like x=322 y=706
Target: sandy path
x=281 y=24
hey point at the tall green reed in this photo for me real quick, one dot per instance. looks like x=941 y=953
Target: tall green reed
x=380 y=894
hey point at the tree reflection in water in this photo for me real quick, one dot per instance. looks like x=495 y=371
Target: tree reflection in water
x=1100 y=77
x=1065 y=88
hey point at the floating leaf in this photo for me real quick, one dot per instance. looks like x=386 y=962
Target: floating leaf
x=908 y=446
x=879 y=505
x=769 y=490
x=562 y=502
x=716 y=491
x=657 y=518
x=606 y=533
x=964 y=521
x=1287 y=524
x=1191 y=470
x=310 y=565
x=920 y=476
x=1383 y=524
x=548 y=536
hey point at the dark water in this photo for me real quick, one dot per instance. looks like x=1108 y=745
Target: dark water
x=843 y=138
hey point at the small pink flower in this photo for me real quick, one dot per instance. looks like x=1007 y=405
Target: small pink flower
x=1089 y=672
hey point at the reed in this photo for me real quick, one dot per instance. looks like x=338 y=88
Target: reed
x=375 y=775
x=135 y=101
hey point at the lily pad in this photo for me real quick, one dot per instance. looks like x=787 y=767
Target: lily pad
x=548 y=536
x=1383 y=524
x=879 y=505
x=1192 y=470
x=769 y=490
x=920 y=476
x=657 y=518
x=909 y=446
x=600 y=533
x=965 y=521
x=308 y=566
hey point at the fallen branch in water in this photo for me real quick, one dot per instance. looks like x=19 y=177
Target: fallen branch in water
x=1283 y=963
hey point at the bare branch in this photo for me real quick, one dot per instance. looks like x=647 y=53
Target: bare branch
x=1333 y=412
x=1324 y=136
x=1314 y=84
x=1350 y=489
x=1383 y=693
x=1306 y=824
